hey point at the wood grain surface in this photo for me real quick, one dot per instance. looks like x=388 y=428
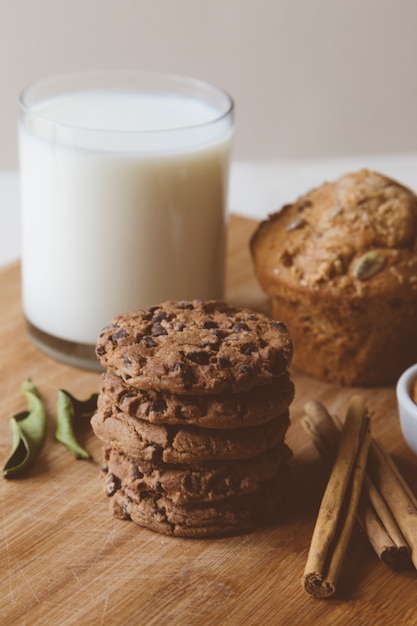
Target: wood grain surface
x=65 y=560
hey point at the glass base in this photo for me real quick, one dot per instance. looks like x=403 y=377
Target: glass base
x=76 y=354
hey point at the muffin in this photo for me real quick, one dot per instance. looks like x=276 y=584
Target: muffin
x=340 y=268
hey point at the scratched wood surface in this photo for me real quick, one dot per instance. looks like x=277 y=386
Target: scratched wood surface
x=65 y=560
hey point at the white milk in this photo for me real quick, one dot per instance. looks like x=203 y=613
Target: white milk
x=119 y=220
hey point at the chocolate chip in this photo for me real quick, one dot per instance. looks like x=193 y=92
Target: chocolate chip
x=184 y=370
x=192 y=483
x=223 y=362
x=158 y=405
x=281 y=326
x=108 y=327
x=248 y=348
x=210 y=324
x=125 y=395
x=156 y=455
x=245 y=369
x=123 y=512
x=112 y=484
x=218 y=486
x=120 y=334
x=158 y=330
x=136 y=473
x=211 y=345
x=187 y=374
x=239 y=326
x=149 y=342
x=212 y=306
x=199 y=356
x=279 y=362
x=178 y=412
x=127 y=361
x=163 y=315
x=185 y=305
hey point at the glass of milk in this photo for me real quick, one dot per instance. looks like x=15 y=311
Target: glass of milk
x=123 y=190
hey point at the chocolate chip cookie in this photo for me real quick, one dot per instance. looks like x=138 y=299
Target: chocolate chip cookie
x=197 y=347
x=178 y=444
x=203 y=519
x=225 y=410
x=203 y=482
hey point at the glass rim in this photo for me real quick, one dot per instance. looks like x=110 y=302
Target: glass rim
x=196 y=86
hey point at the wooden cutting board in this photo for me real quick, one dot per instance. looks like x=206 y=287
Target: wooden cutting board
x=65 y=560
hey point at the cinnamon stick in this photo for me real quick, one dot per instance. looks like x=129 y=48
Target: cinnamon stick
x=382 y=530
x=374 y=515
x=396 y=494
x=339 y=504
x=393 y=552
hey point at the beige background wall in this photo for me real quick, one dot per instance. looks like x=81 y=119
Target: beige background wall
x=309 y=77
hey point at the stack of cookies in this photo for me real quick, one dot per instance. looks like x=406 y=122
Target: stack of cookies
x=193 y=409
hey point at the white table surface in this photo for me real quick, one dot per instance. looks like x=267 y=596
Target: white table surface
x=256 y=188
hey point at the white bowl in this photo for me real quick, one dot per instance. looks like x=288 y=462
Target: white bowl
x=407 y=408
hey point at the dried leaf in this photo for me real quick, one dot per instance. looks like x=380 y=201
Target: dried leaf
x=29 y=430
x=68 y=409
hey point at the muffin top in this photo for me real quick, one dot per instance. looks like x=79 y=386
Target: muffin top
x=355 y=236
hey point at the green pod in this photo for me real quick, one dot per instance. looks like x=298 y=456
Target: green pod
x=29 y=430
x=68 y=409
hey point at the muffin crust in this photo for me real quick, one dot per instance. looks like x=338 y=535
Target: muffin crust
x=340 y=267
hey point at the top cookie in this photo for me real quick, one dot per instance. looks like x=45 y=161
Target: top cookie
x=195 y=347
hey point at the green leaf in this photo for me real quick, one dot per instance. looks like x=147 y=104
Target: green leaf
x=28 y=433
x=68 y=409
